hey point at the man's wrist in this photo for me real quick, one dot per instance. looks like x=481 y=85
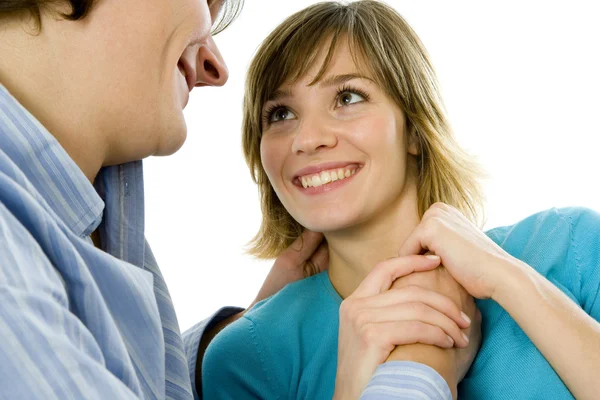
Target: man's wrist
x=443 y=361
x=404 y=379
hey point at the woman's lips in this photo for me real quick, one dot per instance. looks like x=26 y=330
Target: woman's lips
x=327 y=180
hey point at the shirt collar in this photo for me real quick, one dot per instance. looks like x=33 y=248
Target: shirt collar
x=53 y=174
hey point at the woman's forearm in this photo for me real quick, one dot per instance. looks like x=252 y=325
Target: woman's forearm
x=567 y=337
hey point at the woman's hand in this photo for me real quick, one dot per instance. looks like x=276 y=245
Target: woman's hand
x=374 y=320
x=473 y=259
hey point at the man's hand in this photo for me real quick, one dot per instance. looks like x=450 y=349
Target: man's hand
x=374 y=319
x=452 y=363
x=307 y=256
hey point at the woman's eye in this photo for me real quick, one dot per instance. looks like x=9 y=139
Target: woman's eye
x=347 y=98
x=281 y=114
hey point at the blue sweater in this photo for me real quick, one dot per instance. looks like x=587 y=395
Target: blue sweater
x=286 y=346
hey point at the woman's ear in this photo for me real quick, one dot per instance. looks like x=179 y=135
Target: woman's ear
x=414 y=146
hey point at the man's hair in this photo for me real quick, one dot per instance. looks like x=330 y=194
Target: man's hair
x=381 y=41
x=80 y=8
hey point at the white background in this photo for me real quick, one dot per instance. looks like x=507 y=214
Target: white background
x=521 y=84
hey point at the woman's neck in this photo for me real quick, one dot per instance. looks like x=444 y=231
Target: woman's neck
x=355 y=251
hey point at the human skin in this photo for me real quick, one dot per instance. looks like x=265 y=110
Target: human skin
x=486 y=271
x=345 y=121
x=111 y=88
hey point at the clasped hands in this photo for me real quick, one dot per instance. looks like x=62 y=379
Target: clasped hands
x=407 y=300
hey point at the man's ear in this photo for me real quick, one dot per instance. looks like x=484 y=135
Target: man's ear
x=414 y=146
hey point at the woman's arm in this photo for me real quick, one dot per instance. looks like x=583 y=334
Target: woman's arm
x=564 y=333
x=567 y=337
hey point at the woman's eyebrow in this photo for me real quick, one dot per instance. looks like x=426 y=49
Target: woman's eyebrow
x=279 y=94
x=334 y=80
x=337 y=80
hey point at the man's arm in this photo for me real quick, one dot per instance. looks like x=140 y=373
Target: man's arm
x=406 y=380
x=197 y=339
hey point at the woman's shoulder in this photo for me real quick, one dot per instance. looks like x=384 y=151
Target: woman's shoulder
x=293 y=301
x=280 y=315
x=261 y=349
x=568 y=223
x=563 y=244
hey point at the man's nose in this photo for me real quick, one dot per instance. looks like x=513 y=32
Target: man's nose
x=211 y=69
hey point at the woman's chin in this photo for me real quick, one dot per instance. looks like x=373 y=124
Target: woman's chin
x=327 y=224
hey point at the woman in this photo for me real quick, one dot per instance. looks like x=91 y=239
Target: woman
x=345 y=134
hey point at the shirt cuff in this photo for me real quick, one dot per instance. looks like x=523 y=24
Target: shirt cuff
x=406 y=380
x=191 y=340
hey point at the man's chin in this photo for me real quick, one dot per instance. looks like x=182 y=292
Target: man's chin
x=172 y=143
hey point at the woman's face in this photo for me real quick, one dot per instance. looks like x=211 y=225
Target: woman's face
x=335 y=152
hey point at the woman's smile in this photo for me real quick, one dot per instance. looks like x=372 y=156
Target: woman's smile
x=325 y=180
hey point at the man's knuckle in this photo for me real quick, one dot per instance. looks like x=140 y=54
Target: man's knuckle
x=418 y=309
x=370 y=335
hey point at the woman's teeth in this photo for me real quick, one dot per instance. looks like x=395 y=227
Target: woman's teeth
x=326 y=177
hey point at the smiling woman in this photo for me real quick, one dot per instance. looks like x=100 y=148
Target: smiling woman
x=345 y=133
x=396 y=66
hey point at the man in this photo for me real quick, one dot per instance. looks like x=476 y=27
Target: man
x=89 y=88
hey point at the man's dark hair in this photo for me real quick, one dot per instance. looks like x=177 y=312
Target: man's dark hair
x=80 y=8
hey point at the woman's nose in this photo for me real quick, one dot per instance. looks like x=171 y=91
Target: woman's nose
x=312 y=138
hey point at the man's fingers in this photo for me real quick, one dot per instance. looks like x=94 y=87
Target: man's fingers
x=417 y=294
x=386 y=272
x=305 y=246
x=318 y=262
x=411 y=332
x=418 y=312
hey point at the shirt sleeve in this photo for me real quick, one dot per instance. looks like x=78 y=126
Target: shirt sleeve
x=46 y=352
x=406 y=380
x=192 y=337
x=235 y=365
x=585 y=234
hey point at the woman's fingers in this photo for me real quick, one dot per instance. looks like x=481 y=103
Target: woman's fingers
x=414 y=243
x=386 y=272
x=417 y=294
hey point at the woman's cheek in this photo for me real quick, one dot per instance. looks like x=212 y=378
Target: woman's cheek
x=271 y=157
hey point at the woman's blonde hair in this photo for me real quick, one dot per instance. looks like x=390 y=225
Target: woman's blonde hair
x=399 y=64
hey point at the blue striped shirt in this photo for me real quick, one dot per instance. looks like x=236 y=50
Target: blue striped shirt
x=77 y=322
